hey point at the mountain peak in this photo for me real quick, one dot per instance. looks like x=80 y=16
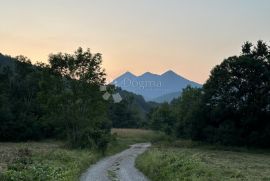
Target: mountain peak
x=169 y=72
x=127 y=73
x=147 y=74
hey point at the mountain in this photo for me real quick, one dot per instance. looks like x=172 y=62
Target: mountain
x=154 y=87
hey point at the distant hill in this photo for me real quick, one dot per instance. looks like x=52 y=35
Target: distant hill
x=137 y=101
x=167 y=97
x=131 y=112
x=5 y=60
x=153 y=87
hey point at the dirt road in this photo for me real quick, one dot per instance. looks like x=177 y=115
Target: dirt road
x=119 y=167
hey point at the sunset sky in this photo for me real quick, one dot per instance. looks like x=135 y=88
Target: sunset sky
x=187 y=36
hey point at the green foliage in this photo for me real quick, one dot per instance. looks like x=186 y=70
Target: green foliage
x=130 y=112
x=236 y=100
x=177 y=118
x=125 y=114
x=19 y=108
x=232 y=108
x=163 y=119
x=82 y=65
x=187 y=109
x=246 y=48
x=60 y=100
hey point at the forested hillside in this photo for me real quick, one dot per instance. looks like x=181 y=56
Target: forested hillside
x=62 y=100
x=131 y=112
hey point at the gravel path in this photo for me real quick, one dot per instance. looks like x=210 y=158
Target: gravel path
x=119 y=167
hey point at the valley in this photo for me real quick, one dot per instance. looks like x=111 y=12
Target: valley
x=135 y=90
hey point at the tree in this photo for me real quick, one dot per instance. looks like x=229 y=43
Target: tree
x=237 y=100
x=163 y=119
x=125 y=115
x=261 y=50
x=232 y=108
x=81 y=65
x=246 y=48
x=186 y=109
x=60 y=100
x=83 y=111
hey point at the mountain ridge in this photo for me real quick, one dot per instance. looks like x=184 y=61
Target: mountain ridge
x=154 y=86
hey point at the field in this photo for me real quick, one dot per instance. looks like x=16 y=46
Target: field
x=186 y=160
x=51 y=160
x=165 y=160
x=131 y=136
x=43 y=161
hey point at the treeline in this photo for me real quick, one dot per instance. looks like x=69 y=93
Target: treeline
x=131 y=112
x=232 y=107
x=60 y=100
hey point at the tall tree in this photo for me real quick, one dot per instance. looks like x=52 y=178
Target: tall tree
x=82 y=107
x=237 y=99
x=82 y=65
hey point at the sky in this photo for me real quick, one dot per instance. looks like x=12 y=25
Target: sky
x=189 y=37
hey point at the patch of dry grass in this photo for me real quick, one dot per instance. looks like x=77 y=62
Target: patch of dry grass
x=138 y=135
x=124 y=132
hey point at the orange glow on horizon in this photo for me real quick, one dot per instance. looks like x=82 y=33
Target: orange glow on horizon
x=188 y=37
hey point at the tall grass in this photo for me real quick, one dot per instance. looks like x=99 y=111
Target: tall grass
x=187 y=160
x=44 y=161
x=52 y=161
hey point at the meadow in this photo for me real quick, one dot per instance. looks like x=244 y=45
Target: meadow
x=53 y=160
x=167 y=159
x=188 y=160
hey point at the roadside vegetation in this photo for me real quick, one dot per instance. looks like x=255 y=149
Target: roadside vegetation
x=53 y=160
x=189 y=160
x=43 y=161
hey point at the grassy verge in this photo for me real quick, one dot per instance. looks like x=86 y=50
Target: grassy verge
x=186 y=160
x=43 y=161
x=52 y=161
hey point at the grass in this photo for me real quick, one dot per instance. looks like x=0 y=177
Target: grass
x=52 y=161
x=187 y=160
x=166 y=160
x=43 y=161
